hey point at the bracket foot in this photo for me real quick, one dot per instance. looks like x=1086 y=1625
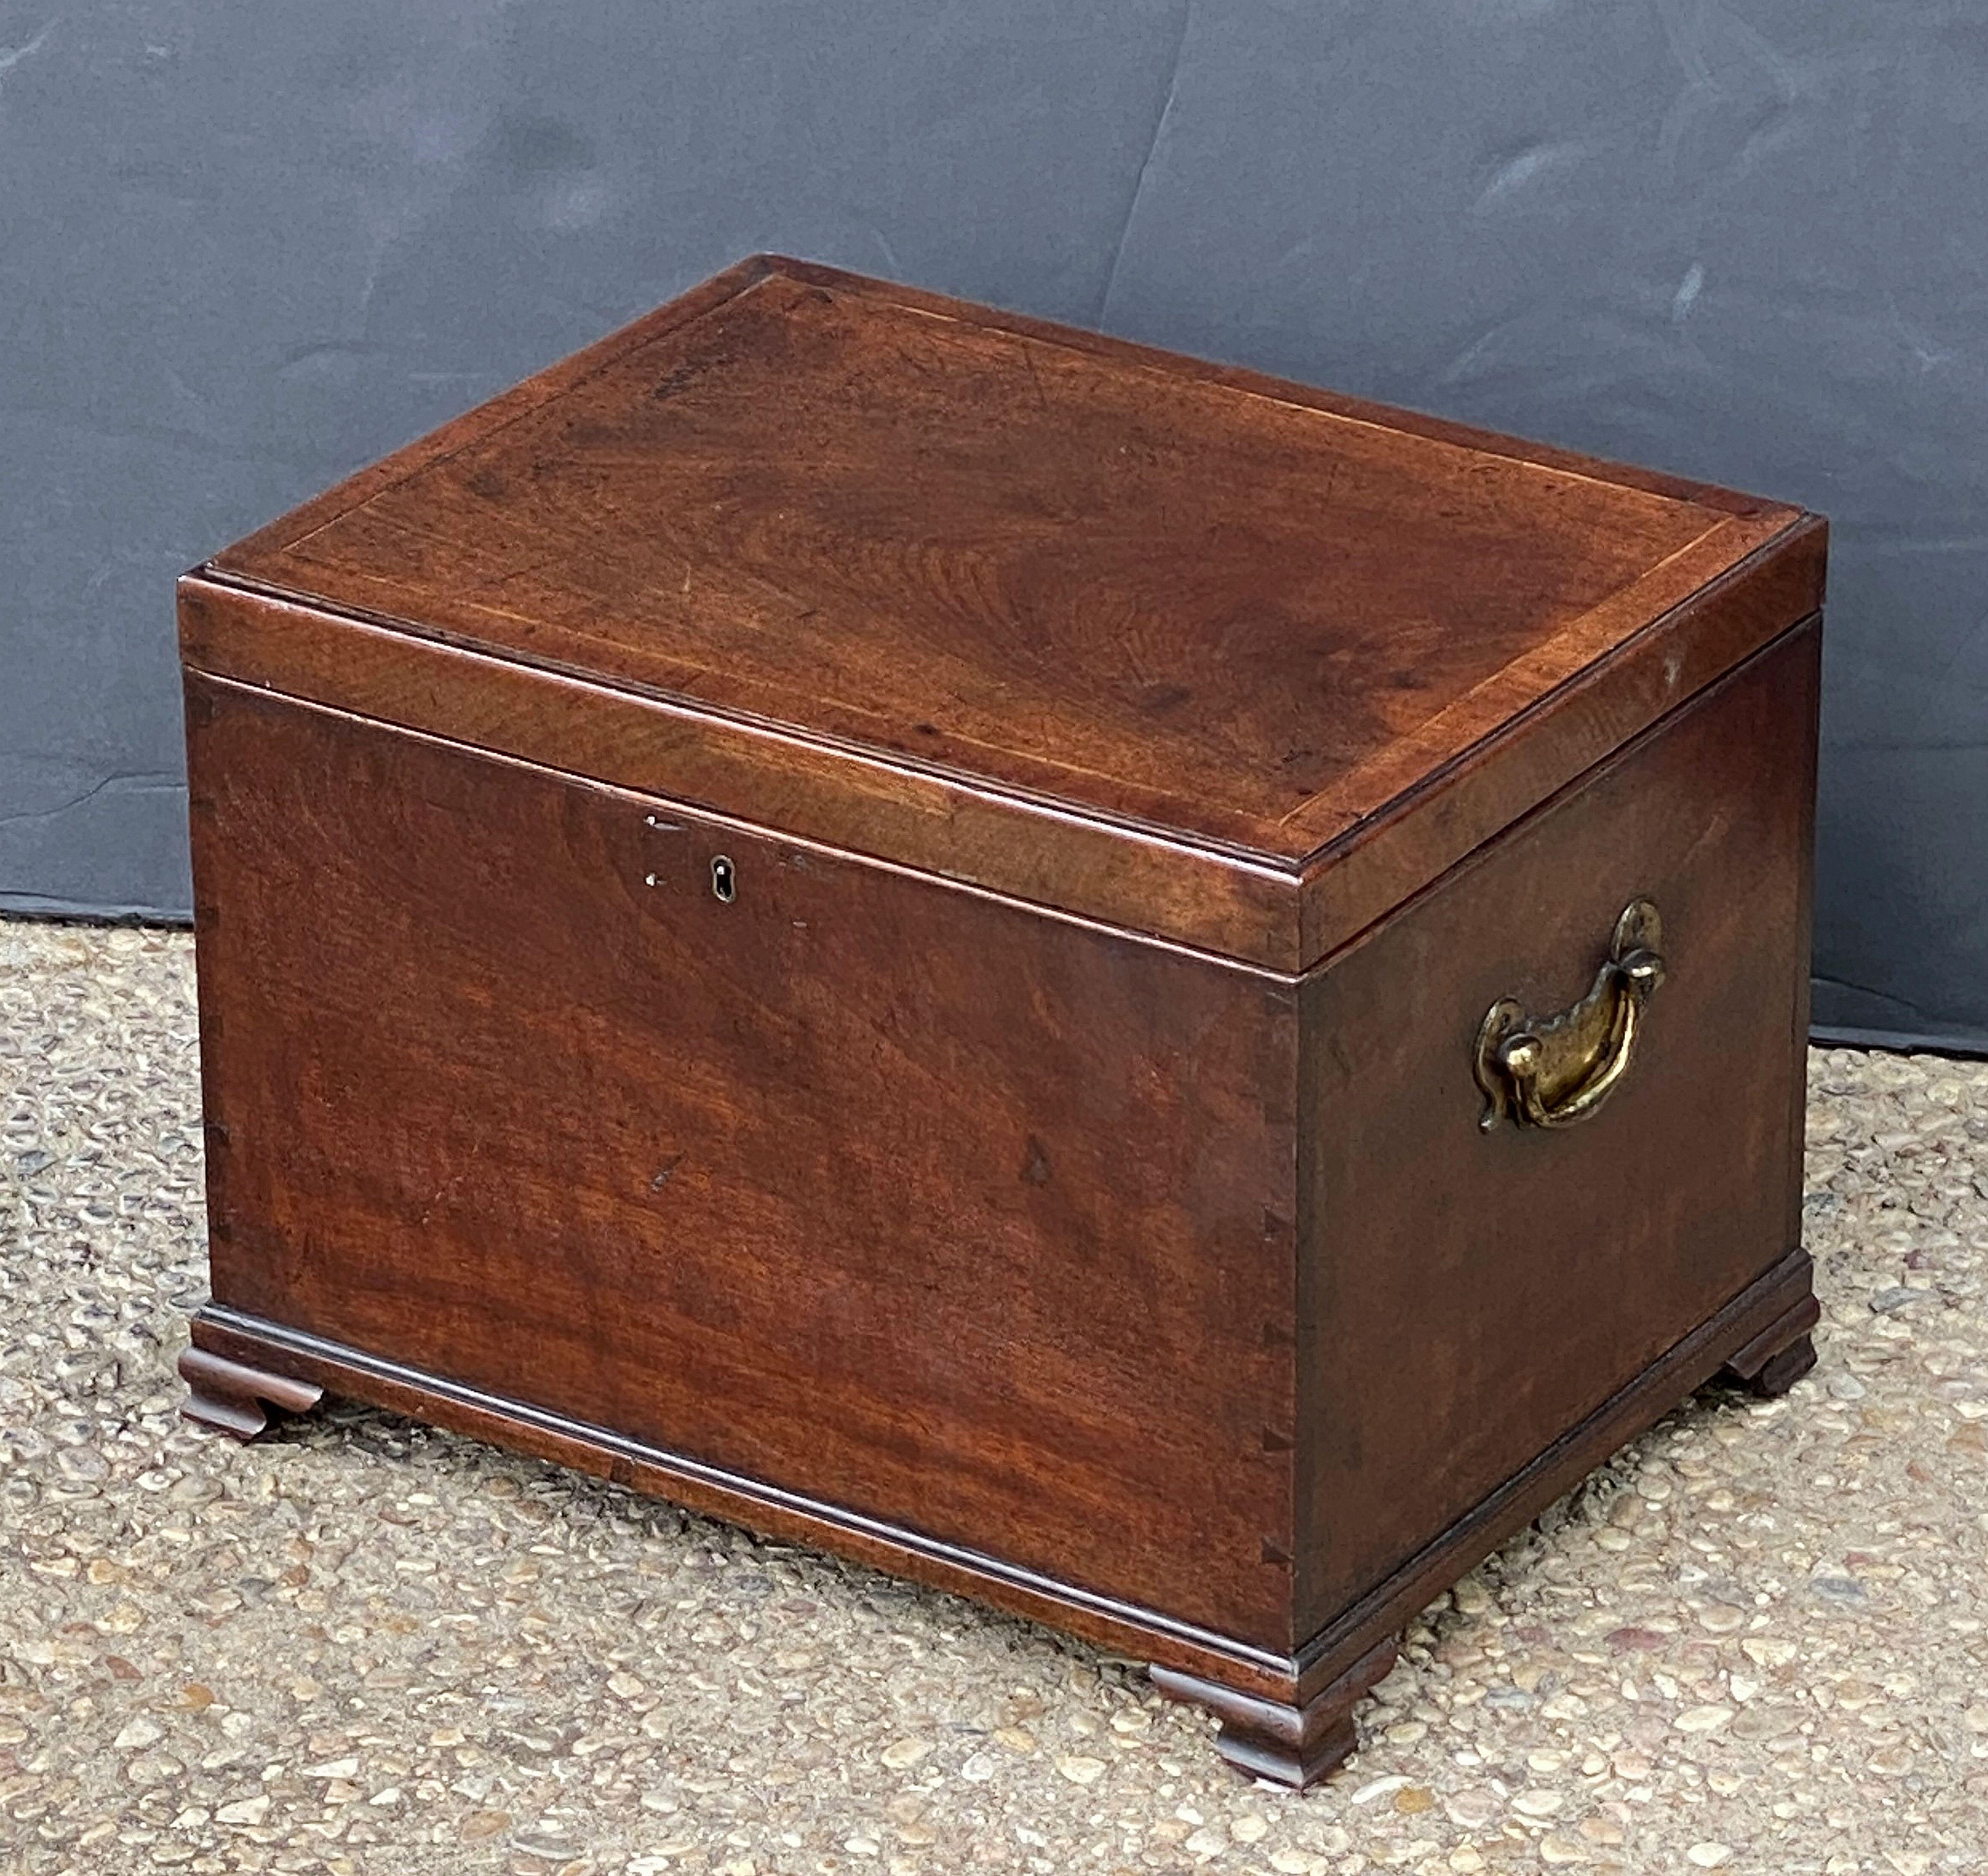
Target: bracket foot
x=1778 y=1356
x=1294 y=1746
x=236 y=1398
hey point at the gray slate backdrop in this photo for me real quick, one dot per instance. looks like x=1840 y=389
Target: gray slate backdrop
x=245 y=248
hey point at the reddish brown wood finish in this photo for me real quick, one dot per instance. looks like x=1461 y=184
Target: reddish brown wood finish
x=866 y=557
x=235 y=1398
x=1549 y=1268
x=1306 y=1681
x=1215 y=901
x=1052 y=1169
x=1204 y=608
x=1294 y=1745
x=1780 y=1356
x=496 y=1087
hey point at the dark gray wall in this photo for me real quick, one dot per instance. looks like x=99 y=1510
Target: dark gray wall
x=246 y=246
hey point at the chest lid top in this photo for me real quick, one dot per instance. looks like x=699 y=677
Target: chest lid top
x=1225 y=629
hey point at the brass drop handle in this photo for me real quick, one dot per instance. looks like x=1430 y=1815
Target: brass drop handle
x=1553 y=1071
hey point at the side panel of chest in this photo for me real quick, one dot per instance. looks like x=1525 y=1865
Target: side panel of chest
x=937 y=1209
x=1469 y=1295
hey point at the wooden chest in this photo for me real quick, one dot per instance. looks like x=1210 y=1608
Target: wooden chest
x=1162 y=998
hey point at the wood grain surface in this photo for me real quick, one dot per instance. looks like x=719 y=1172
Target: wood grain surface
x=1051 y=1166
x=930 y=1207
x=277 y=1358
x=1074 y=573
x=969 y=1219
x=1467 y=1295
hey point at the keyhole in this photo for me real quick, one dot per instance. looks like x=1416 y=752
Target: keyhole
x=723 y=879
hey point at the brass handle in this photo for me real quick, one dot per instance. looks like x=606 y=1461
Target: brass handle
x=1553 y=1071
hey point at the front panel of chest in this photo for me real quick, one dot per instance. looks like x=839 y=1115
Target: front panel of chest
x=930 y=1207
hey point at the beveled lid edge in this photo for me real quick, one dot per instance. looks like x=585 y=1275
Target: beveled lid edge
x=1339 y=832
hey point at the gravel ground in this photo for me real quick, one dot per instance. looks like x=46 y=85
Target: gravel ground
x=1754 y=1642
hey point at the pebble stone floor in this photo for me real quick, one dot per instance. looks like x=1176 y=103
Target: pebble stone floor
x=1754 y=1642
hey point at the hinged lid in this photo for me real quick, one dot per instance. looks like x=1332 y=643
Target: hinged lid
x=1184 y=649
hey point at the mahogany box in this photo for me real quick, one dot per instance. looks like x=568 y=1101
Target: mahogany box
x=1157 y=996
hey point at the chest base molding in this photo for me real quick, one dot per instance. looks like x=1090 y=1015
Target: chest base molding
x=1286 y=1718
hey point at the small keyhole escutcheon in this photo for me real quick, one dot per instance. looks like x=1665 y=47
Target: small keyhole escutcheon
x=723 y=879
